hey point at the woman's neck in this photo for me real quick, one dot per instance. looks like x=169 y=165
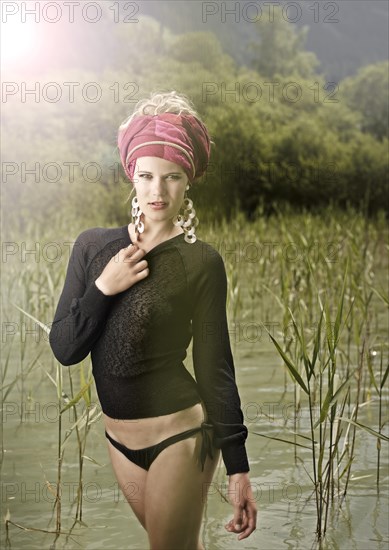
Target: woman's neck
x=153 y=236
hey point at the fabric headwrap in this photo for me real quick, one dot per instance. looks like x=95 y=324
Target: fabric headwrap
x=182 y=139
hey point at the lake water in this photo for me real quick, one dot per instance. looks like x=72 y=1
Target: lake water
x=283 y=490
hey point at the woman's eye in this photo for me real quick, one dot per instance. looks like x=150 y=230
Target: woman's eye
x=174 y=177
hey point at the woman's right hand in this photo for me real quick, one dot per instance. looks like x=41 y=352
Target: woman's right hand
x=123 y=270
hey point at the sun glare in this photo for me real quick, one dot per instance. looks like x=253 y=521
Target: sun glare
x=18 y=41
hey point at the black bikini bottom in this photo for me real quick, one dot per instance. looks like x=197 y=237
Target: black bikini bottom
x=146 y=456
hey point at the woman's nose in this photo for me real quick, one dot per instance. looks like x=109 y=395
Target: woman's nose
x=158 y=184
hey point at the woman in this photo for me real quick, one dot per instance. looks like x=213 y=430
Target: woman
x=134 y=297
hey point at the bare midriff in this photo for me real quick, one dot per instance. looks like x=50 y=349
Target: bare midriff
x=143 y=432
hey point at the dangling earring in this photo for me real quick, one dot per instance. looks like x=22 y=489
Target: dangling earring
x=136 y=215
x=187 y=220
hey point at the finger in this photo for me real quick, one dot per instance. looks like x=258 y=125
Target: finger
x=125 y=253
x=246 y=533
x=142 y=274
x=141 y=265
x=232 y=529
x=252 y=524
x=235 y=525
x=238 y=518
x=137 y=253
x=230 y=525
x=131 y=248
x=132 y=254
x=245 y=522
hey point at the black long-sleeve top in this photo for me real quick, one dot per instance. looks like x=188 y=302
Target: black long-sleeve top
x=139 y=337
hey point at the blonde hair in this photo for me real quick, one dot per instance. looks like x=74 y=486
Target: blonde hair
x=162 y=102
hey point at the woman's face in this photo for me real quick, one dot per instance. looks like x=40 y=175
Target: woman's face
x=158 y=180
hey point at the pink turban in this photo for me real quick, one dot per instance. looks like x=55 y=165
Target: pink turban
x=182 y=139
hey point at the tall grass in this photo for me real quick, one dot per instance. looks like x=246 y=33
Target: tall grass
x=324 y=368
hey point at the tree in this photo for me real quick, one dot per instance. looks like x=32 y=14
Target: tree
x=366 y=93
x=280 y=49
x=202 y=48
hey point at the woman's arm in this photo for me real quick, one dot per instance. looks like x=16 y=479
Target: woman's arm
x=81 y=310
x=213 y=363
x=83 y=306
x=215 y=375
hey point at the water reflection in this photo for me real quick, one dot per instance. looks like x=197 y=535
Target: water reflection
x=281 y=484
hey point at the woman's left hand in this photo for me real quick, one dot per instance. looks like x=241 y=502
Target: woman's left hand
x=245 y=511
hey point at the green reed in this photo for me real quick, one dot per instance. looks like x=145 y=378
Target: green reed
x=320 y=368
x=334 y=282
x=37 y=290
